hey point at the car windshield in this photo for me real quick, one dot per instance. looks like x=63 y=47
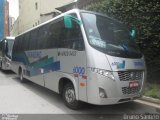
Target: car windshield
x=109 y=36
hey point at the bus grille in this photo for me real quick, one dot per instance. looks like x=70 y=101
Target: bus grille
x=127 y=90
x=130 y=75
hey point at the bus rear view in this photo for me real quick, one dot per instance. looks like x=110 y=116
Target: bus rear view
x=115 y=66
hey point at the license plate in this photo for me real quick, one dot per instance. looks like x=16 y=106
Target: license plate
x=133 y=84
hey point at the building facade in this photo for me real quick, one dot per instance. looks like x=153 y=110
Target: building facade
x=6 y=19
x=76 y=4
x=2 y=3
x=34 y=12
x=11 y=22
x=15 y=28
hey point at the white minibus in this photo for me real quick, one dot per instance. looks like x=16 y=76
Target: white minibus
x=84 y=56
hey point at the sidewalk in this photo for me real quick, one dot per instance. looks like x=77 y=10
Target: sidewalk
x=151 y=100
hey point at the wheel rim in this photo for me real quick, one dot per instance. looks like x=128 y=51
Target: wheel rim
x=21 y=76
x=70 y=95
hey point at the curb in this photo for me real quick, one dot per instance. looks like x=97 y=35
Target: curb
x=151 y=100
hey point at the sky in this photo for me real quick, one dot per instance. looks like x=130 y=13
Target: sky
x=13 y=8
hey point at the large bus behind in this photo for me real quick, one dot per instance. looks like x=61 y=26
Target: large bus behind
x=6 y=46
x=84 y=56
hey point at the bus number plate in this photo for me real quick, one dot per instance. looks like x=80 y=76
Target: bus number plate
x=133 y=84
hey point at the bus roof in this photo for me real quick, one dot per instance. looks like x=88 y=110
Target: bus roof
x=9 y=37
x=70 y=11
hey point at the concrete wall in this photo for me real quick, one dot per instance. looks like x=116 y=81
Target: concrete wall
x=11 y=22
x=30 y=12
x=15 y=28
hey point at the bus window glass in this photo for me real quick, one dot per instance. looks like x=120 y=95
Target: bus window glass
x=10 y=46
x=109 y=36
x=42 y=35
x=33 y=40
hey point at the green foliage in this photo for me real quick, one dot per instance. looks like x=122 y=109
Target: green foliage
x=144 y=15
x=153 y=91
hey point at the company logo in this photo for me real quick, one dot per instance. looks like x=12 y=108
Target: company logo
x=120 y=65
x=79 y=70
x=34 y=54
x=141 y=64
x=67 y=53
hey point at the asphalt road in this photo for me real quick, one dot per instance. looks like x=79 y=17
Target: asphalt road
x=29 y=98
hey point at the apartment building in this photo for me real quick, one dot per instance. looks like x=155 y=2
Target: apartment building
x=4 y=18
x=33 y=12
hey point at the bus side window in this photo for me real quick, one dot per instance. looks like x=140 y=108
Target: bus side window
x=26 y=41
x=74 y=38
x=21 y=43
x=15 y=46
x=42 y=35
x=1 y=48
x=33 y=40
x=54 y=32
x=19 y=46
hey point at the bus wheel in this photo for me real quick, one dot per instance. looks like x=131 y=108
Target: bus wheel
x=69 y=97
x=21 y=76
x=1 y=65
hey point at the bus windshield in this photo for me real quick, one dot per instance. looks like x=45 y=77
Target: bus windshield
x=109 y=36
x=9 y=48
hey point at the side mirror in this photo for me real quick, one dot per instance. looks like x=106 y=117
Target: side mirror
x=68 y=21
x=5 y=46
x=133 y=33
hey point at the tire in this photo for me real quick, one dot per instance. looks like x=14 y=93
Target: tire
x=0 y=65
x=69 y=97
x=22 y=79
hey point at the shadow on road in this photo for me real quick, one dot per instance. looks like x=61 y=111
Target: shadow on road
x=7 y=72
x=56 y=100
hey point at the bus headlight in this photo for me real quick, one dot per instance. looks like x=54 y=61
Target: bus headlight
x=105 y=73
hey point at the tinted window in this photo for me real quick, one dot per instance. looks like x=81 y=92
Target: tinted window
x=74 y=38
x=54 y=34
x=70 y=38
x=110 y=36
x=33 y=40
x=26 y=41
x=1 y=48
x=20 y=43
x=51 y=35
x=15 y=45
x=10 y=46
x=42 y=36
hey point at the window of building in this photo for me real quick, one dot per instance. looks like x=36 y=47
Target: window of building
x=36 y=6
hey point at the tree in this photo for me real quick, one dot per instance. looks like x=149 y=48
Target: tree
x=144 y=15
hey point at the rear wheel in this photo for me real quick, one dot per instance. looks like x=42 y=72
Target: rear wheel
x=0 y=65
x=22 y=79
x=69 y=97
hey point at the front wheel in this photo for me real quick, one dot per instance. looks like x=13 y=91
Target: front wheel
x=69 y=97
x=22 y=79
x=0 y=65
